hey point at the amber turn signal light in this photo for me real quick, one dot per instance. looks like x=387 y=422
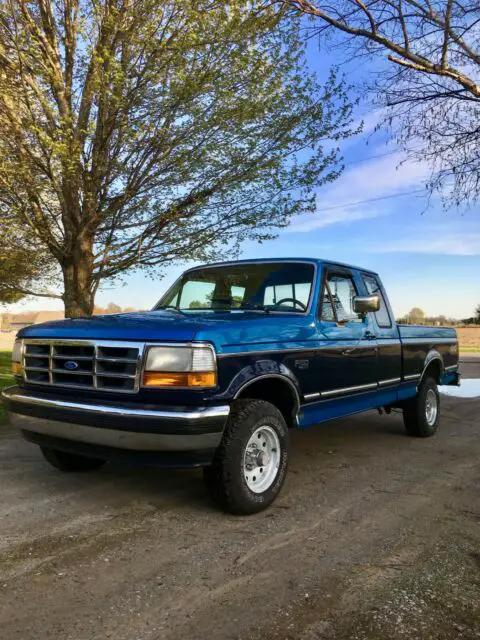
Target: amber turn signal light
x=185 y=379
x=16 y=368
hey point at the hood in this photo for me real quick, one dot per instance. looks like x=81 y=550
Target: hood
x=221 y=328
x=149 y=325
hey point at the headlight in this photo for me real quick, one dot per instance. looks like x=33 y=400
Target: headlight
x=189 y=366
x=17 y=358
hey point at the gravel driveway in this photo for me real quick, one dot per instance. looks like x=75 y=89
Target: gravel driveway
x=375 y=535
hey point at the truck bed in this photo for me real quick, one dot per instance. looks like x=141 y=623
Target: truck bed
x=424 y=331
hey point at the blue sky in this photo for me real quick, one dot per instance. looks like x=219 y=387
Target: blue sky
x=427 y=257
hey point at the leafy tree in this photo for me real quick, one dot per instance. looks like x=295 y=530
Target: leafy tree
x=416 y=315
x=431 y=87
x=197 y=304
x=113 y=308
x=134 y=133
x=477 y=313
x=22 y=263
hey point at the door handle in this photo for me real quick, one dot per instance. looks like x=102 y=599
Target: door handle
x=367 y=335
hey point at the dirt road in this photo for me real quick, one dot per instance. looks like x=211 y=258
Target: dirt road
x=375 y=536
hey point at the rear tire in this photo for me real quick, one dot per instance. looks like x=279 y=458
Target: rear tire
x=250 y=464
x=421 y=415
x=70 y=462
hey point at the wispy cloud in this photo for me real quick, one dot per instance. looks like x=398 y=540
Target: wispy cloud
x=434 y=243
x=344 y=201
x=344 y=215
x=381 y=176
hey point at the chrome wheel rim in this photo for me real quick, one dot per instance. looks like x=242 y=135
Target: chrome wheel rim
x=261 y=461
x=431 y=407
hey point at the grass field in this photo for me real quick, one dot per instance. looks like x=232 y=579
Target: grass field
x=6 y=377
x=469 y=339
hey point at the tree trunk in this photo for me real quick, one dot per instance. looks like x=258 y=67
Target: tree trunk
x=77 y=280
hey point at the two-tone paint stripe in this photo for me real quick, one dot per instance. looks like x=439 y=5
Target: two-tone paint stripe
x=330 y=393
x=367 y=387
x=354 y=389
x=367 y=344
x=286 y=351
x=452 y=367
x=311 y=396
x=385 y=383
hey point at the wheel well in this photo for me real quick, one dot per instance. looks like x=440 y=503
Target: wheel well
x=277 y=392
x=434 y=369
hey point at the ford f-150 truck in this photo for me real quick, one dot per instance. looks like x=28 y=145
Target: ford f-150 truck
x=232 y=357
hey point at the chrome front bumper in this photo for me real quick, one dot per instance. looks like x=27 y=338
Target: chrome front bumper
x=121 y=427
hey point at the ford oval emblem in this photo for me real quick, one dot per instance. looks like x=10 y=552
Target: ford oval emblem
x=71 y=365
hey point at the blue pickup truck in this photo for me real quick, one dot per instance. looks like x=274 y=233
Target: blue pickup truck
x=232 y=357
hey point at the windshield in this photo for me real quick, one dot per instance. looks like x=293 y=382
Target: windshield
x=281 y=286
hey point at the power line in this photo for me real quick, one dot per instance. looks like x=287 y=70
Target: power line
x=379 y=155
x=353 y=204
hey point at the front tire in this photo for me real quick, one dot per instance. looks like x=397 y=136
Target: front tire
x=250 y=464
x=421 y=415
x=70 y=462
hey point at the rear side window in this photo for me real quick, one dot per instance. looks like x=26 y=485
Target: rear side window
x=337 y=298
x=373 y=287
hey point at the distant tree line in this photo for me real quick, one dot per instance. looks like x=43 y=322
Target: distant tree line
x=8 y=319
x=112 y=308
x=474 y=319
x=417 y=316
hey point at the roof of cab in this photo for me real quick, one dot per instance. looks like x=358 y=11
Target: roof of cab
x=317 y=261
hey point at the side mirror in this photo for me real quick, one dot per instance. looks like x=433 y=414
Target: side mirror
x=364 y=304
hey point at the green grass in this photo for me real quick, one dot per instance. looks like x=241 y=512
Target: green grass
x=6 y=378
x=469 y=349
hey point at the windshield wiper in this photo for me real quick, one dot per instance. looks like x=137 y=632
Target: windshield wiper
x=254 y=307
x=169 y=307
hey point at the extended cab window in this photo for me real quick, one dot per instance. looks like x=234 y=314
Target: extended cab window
x=337 y=298
x=373 y=287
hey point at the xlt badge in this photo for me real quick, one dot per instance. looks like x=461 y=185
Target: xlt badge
x=302 y=364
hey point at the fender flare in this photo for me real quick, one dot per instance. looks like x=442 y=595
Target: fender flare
x=262 y=370
x=431 y=356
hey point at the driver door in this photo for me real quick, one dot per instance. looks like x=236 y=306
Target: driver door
x=347 y=360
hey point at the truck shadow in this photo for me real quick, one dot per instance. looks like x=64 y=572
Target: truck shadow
x=342 y=443
x=357 y=436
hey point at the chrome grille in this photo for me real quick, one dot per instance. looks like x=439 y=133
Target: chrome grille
x=84 y=364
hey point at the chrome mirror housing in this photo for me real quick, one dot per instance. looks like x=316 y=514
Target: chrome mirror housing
x=365 y=304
